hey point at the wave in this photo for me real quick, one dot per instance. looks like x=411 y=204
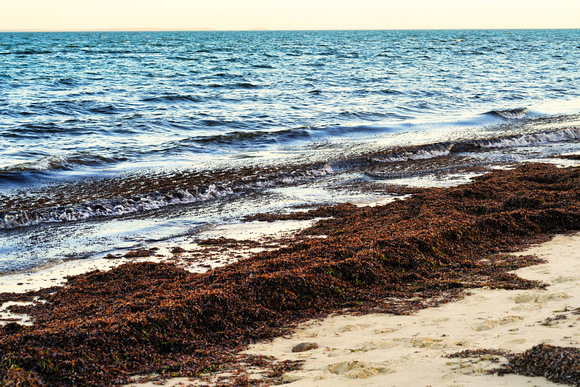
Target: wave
x=242 y=139
x=429 y=151
x=31 y=52
x=174 y=98
x=67 y=82
x=57 y=163
x=238 y=85
x=263 y=66
x=247 y=137
x=105 y=109
x=192 y=187
x=371 y=116
x=98 y=51
x=41 y=128
x=390 y=92
x=65 y=107
x=222 y=75
x=185 y=58
x=545 y=137
x=510 y=114
x=245 y=85
x=119 y=206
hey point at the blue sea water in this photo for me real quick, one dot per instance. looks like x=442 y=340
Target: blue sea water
x=84 y=106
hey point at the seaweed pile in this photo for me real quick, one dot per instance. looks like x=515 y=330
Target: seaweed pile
x=141 y=318
x=557 y=364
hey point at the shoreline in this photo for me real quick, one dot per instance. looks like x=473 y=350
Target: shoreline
x=265 y=235
x=398 y=258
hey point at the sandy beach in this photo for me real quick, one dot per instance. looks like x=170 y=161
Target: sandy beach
x=451 y=304
x=388 y=350
x=413 y=350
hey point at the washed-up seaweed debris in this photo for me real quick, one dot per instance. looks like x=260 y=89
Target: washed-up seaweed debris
x=551 y=321
x=220 y=242
x=143 y=318
x=569 y=157
x=177 y=250
x=478 y=353
x=141 y=253
x=557 y=364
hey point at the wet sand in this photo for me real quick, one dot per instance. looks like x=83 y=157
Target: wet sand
x=265 y=235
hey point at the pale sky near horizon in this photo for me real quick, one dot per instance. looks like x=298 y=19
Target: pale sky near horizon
x=287 y=14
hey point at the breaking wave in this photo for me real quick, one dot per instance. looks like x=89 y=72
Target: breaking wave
x=453 y=147
x=153 y=201
x=57 y=163
x=510 y=114
x=170 y=196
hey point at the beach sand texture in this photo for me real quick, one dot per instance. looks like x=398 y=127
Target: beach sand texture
x=389 y=350
x=413 y=350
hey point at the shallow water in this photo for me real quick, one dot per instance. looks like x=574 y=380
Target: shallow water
x=112 y=139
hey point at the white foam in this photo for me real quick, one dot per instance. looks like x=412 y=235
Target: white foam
x=569 y=134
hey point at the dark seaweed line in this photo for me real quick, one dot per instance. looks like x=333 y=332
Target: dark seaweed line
x=142 y=318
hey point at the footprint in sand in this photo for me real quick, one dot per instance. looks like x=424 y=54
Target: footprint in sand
x=561 y=280
x=536 y=300
x=540 y=297
x=359 y=369
x=428 y=342
x=351 y=327
x=380 y=331
x=490 y=324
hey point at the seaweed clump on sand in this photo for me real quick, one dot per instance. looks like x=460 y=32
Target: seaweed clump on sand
x=142 y=318
x=557 y=364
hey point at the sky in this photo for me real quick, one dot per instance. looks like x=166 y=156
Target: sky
x=287 y=14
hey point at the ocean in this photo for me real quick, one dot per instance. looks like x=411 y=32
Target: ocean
x=115 y=140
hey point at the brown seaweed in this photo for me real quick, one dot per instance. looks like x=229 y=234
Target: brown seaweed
x=144 y=317
x=557 y=364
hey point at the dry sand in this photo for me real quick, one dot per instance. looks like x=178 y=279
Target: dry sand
x=387 y=350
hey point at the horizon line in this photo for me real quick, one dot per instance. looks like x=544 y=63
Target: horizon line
x=258 y=29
